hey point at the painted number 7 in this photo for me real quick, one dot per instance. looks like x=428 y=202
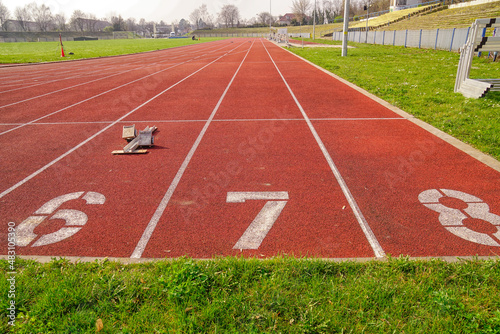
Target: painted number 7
x=260 y=226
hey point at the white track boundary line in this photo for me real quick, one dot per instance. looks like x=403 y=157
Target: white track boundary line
x=148 y=232
x=103 y=93
x=39 y=171
x=370 y=236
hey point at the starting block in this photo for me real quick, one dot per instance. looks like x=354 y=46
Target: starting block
x=129 y=132
x=144 y=139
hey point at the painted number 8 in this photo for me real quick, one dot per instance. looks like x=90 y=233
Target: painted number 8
x=452 y=219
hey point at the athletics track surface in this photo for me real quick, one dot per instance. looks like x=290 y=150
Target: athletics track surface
x=258 y=153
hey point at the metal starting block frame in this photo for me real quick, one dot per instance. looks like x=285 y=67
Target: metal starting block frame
x=144 y=139
x=477 y=42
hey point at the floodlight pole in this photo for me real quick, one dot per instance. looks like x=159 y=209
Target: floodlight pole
x=270 y=19
x=367 y=16
x=314 y=21
x=346 y=28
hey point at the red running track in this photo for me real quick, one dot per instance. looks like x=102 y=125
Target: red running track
x=258 y=153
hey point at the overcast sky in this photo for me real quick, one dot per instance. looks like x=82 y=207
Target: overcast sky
x=154 y=10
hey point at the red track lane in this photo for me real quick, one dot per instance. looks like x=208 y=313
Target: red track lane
x=57 y=139
x=43 y=143
x=258 y=143
x=67 y=78
x=119 y=178
x=258 y=157
x=388 y=163
x=87 y=71
x=265 y=156
x=132 y=185
x=32 y=109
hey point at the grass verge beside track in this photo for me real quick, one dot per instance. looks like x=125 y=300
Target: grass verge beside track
x=34 y=52
x=420 y=82
x=256 y=296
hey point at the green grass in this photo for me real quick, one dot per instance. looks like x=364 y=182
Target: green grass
x=281 y=295
x=421 y=82
x=31 y=52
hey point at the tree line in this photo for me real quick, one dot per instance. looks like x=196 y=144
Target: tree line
x=330 y=11
x=40 y=18
x=34 y=17
x=305 y=12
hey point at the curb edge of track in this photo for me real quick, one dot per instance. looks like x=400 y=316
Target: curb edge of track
x=127 y=260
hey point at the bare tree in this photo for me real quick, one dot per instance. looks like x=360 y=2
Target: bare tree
x=195 y=17
x=90 y=22
x=300 y=9
x=131 y=24
x=142 y=23
x=264 y=18
x=332 y=9
x=60 y=21
x=206 y=17
x=229 y=15
x=118 y=23
x=201 y=18
x=77 y=21
x=4 y=16
x=379 y=5
x=145 y=28
x=23 y=17
x=183 y=26
x=42 y=16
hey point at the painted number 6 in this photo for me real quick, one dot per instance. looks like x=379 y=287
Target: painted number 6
x=452 y=219
x=74 y=219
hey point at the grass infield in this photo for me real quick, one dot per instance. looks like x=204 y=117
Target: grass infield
x=280 y=295
x=34 y=52
x=420 y=82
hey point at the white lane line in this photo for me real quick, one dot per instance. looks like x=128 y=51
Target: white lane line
x=103 y=93
x=141 y=245
x=161 y=60
x=215 y=120
x=370 y=236
x=84 y=69
x=20 y=183
x=66 y=88
x=60 y=78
